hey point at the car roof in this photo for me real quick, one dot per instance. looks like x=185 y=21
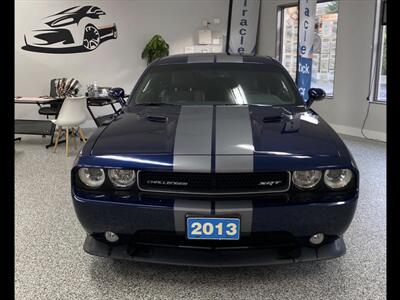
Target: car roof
x=213 y=58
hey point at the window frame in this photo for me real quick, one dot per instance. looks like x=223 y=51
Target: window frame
x=377 y=48
x=279 y=36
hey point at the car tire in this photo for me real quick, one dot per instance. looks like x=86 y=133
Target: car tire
x=91 y=37
x=115 y=34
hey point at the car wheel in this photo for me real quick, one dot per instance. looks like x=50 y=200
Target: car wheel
x=91 y=38
x=115 y=34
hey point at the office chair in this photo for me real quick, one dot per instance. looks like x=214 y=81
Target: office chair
x=54 y=107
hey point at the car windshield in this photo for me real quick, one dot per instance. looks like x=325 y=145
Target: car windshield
x=216 y=84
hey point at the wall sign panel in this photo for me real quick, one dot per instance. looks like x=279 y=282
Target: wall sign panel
x=307 y=10
x=243 y=26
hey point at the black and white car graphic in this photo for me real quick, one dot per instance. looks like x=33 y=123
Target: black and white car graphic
x=76 y=29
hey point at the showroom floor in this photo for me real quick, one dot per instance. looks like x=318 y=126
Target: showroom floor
x=50 y=262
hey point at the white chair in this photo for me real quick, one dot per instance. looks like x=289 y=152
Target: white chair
x=73 y=113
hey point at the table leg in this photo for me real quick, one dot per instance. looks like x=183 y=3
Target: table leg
x=52 y=131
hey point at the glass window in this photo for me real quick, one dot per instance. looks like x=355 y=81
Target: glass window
x=324 y=58
x=212 y=84
x=381 y=94
x=378 y=69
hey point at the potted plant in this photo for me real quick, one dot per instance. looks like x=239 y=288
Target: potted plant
x=157 y=47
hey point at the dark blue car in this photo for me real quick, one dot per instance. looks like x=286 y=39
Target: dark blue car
x=216 y=161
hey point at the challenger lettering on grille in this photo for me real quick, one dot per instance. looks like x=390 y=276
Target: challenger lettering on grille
x=166 y=182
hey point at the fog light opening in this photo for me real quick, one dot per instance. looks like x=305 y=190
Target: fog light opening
x=317 y=239
x=111 y=236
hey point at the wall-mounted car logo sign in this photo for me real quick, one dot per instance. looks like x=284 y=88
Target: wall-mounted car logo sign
x=76 y=29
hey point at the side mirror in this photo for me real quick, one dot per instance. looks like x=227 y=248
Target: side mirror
x=315 y=94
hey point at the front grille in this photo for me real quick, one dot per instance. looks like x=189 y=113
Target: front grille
x=213 y=183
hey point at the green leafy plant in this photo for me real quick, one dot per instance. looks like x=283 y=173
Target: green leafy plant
x=157 y=47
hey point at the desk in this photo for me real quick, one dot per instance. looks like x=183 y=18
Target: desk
x=101 y=101
x=35 y=127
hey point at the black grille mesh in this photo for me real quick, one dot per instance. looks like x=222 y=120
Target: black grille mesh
x=214 y=183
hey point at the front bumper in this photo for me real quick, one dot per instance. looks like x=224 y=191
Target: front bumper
x=152 y=213
x=215 y=258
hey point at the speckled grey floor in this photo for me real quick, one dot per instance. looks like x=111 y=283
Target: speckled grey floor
x=50 y=262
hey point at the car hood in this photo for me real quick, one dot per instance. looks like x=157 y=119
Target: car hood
x=219 y=131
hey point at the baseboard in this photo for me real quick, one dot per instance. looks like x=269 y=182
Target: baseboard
x=372 y=134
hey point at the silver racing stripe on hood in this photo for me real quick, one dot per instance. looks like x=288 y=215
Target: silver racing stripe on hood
x=232 y=150
x=193 y=138
x=234 y=140
x=192 y=153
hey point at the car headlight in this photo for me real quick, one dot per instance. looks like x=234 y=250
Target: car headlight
x=92 y=177
x=122 y=178
x=337 y=178
x=306 y=179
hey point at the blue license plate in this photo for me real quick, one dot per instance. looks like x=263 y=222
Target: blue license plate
x=212 y=228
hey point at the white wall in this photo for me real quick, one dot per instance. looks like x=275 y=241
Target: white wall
x=118 y=63
x=346 y=111
x=115 y=62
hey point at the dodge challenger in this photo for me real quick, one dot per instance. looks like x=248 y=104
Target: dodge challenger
x=215 y=160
